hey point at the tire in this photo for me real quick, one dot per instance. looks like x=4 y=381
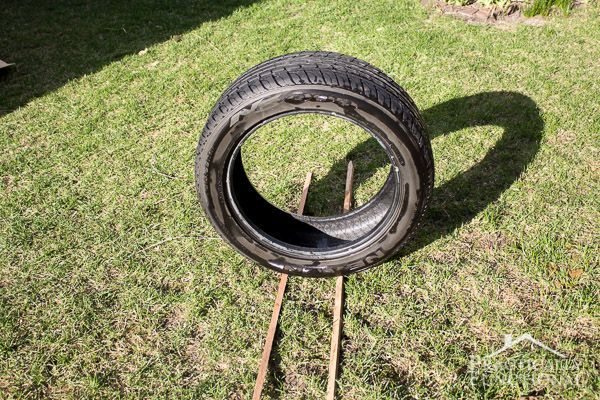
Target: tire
x=325 y=83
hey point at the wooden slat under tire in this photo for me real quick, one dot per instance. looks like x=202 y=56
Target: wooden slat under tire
x=338 y=305
x=337 y=308
x=266 y=355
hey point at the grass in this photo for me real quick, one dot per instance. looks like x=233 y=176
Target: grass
x=113 y=283
x=271 y=174
x=544 y=7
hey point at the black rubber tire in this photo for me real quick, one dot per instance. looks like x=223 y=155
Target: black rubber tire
x=325 y=83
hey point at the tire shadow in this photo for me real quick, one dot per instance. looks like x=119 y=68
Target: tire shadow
x=453 y=203
x=460 y=199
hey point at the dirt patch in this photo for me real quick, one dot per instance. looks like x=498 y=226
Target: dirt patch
x=177 y=318
x=583 y=329
x=562 y=137
x=489 y=242
x=502 y=17
x=479 y=14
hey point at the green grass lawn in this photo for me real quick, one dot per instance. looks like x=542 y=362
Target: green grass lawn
x=114 y=284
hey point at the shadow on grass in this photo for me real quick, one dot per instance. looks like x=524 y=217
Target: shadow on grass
x=456 y=201
x=54 y=42
x=460 y=199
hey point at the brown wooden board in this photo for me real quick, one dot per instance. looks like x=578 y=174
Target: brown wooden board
x=338 y=305
x=266 y=355
x=337 y=308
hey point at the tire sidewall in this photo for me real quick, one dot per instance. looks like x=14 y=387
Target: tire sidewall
x=214 y=154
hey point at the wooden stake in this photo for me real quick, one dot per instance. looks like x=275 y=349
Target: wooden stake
x=304 y=193
x=266 y=355
x=348 y=189
x=336 y=337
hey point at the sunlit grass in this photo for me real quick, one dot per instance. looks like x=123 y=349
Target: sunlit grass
x=114 y=284
x=276 y=160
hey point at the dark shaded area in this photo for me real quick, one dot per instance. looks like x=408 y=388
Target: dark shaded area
x=54 y=42
x=457 y=201
x=287 y=228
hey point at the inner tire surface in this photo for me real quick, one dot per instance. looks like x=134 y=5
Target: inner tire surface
x=324 y=83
